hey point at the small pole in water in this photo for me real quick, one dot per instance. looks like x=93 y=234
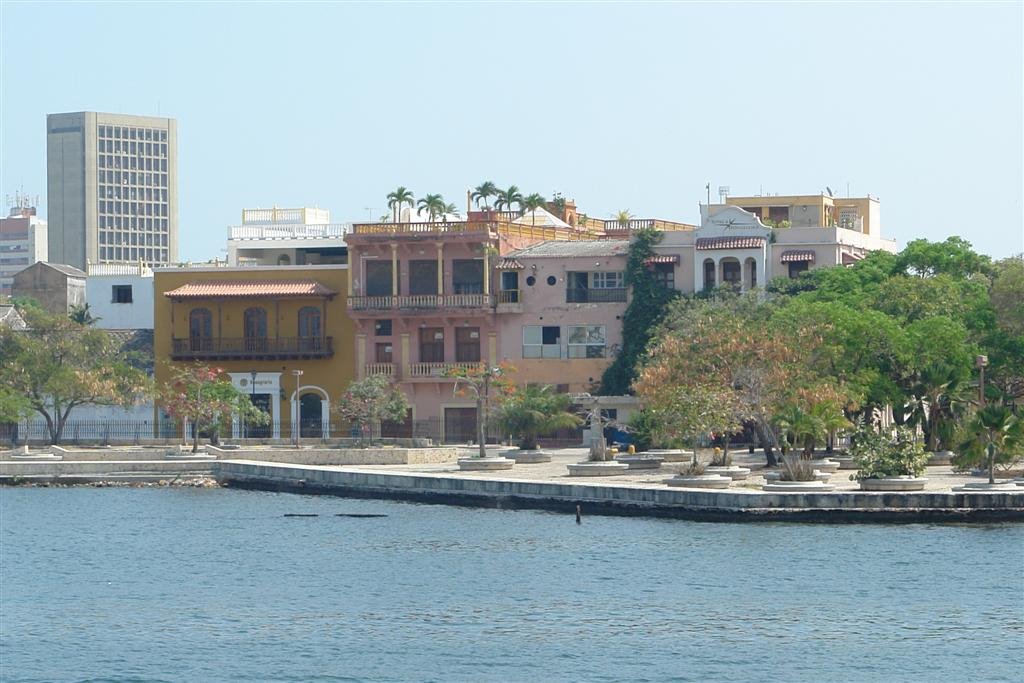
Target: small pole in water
x=578 y=515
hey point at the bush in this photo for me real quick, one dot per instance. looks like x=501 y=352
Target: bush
x=797 y=468
x=877 y=455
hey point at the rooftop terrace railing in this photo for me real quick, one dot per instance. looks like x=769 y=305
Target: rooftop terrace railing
x=289 y=232
x=485 y=228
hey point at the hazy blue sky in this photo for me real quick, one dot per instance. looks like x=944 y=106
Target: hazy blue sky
x=618 y=106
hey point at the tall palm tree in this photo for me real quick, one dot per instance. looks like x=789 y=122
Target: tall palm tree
x=995 y=433
x=532 y=202
x=506 y=198
x=397 y=199
x=433 y=204
x=483 y=192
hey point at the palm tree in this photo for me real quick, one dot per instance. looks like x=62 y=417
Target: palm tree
x=994 y=433
x=451 y=209
x=433 y=204
x=532 y=202
x=533 y=411
x=506 y=198
x=398 y=198
x=828 y=419
x=483 y=192
x=624 y=217
x=796 y=425
x=82 y=315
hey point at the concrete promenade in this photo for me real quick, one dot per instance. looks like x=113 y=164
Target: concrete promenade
x=547 y=486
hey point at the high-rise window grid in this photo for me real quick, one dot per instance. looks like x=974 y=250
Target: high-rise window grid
x=132 y=202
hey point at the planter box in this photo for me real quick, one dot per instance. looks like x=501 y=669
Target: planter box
x=825 y=465
x=700 y=481
x=607 y=468
x=528 y=457
x=485 y=464
x=670 y=454
x=734 y=472
x=940 y=458
x=640 y=462
x=903 y=483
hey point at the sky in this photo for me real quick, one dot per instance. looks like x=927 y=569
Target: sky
x=618 y=106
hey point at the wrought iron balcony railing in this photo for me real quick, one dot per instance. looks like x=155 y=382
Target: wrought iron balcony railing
x=239 y=348
x=595 y=296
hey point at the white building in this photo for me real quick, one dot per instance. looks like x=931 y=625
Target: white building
x=120 y=295
x=23 y=240
x=287 y=237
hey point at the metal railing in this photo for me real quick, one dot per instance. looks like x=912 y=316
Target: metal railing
x=595 y=296
x=251 y=347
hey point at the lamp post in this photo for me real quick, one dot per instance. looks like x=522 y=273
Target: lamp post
x=980 y=362
x=252 y=400
x=295 y=421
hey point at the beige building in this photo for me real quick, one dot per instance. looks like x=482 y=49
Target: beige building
x=112 y=189
x=287 y=237
x=56 y=287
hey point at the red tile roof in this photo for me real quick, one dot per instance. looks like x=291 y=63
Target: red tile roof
x=730 y=242
x=797 y=255
x=509 y=264
x=250 y=289
x=662 y=258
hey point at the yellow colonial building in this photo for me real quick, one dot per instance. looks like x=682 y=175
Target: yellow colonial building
x=281 y=332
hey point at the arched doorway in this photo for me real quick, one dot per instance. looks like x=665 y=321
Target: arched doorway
x=311 y=415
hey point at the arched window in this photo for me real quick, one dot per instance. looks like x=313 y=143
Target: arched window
x=200 y=329
x=255 y=329
x=309 y=328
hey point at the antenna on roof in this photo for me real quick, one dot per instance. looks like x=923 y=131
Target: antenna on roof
x=829 y=190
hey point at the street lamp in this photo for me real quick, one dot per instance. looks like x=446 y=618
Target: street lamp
x=295 y=422
x=980 y=362
x=252 y=400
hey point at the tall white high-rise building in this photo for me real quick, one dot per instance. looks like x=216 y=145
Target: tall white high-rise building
x=112 y=189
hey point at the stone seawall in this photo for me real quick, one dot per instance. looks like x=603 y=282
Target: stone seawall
x=340 y=456
x=619 y=499
x=85 y=470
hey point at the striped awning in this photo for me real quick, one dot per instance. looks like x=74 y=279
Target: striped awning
x=247 y=289
x=662 y=258
x=509 y=264
x=794 y=255
x=704 y=243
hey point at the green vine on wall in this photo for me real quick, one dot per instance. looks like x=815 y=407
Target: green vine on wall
x=645 y=310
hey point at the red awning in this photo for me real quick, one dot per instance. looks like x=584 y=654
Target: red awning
x=850 y=259
x=662 y=258
x=251 y=288
x=794 y=255
x=704 y=243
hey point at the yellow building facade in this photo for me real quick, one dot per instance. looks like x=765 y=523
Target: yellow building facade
x=282 y=333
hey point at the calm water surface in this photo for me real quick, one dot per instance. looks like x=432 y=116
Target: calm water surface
x=217 y=585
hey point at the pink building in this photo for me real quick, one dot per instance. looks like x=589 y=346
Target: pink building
x=424 y=300
x=560 y=311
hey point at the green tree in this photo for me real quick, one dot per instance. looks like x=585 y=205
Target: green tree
x=535 y=410
x=994 y=435
x=370 y=401
x=648 y=300
x=1008 y=294
x=397 y=199
x=433 y=204
x=506 y=198
x=206 y=397
x=483 y=192
x=483 y=383
x=954 y=258
x=531 y=202
x=57 y=365
x=82 y=315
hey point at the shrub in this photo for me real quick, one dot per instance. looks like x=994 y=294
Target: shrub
x=796 y=468
x=877 y=455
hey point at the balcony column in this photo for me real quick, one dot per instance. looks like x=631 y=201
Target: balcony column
x=348 y=274
x=487 y=272
x=360 y=356
x=394 y=269
x=403 y=369
x=440 y=269
x=492 y=348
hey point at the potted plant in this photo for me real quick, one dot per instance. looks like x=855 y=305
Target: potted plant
x=721 y=463
x=888 y=463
